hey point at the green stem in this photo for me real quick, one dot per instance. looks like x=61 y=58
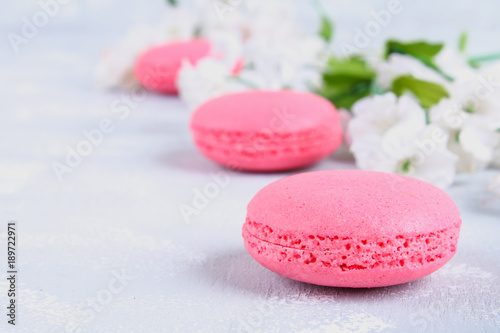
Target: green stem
x=485 y=58
x=444 y=75
x=244 y=82
x=438 y=70
x=376 y=89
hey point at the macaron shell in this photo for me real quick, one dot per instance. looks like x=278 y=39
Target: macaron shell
x=281 y=111
x=352 y=228
x=347 y=201
x=157 y=68
x=266 y=130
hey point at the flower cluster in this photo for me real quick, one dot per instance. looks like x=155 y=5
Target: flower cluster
x=115 y=68
x=266 y=55
x=249 y=50
x=419 y=109
x=428 y=116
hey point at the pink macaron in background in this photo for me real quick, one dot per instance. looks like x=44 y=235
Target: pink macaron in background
x=266 y=130
x=157 y=68
x=352 y=228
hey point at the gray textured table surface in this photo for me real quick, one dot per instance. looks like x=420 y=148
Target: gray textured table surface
x=107 y=249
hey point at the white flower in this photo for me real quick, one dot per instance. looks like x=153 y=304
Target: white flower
x=473 y=144
x=275 y=19
x=398 y=65
x=115 y=68
x=279 y=50
x=179 y=23
x=494 y=185
x=207 y=79
x=227 y=15
x=453 y=63
x=430 y=160
x=343 y=151
x=287 y=63
x=490 y=105
x=275 y=56
x=374 y=116
x=479 y=93
x=227 y=46
x=282 y=54
x=390 y=134
x=472 y=117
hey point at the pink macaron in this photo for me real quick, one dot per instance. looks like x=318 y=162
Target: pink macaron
x=266 y=130
x=157 y=68
x=352 y=228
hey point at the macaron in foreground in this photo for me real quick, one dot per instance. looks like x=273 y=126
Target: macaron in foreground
x=157 y=68
x=352 y=228
x=266 y=130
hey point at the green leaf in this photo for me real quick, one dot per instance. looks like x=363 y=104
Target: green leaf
x=326 y=28
x=427 y=93
x=349 y=67
x=347 y=80
x=462 y=42
x=421 y=50
x=172 y=3
x=326 y=24
x=346 y=97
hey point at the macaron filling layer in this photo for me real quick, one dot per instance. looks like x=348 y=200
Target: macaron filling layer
x=348 y=253
x=266 y=143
